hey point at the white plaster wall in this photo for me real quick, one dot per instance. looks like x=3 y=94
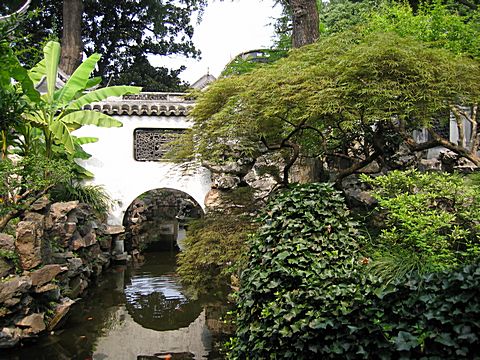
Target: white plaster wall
x=124 y=179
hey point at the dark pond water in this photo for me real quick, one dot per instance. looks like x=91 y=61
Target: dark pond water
x=135 y=314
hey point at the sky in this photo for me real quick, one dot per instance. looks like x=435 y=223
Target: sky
x=228 y=28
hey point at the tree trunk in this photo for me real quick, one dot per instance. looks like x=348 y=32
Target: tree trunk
x=72 y=46
x=305 y=22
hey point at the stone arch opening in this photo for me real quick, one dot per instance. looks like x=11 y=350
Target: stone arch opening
x=157 y=220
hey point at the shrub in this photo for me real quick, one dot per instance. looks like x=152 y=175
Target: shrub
x=304 y=295
x=302 y=277
x=215 y=248
x=93 y=195
x=434 y=316
x=431 y=222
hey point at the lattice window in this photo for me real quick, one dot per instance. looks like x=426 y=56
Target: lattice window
x=149 y=144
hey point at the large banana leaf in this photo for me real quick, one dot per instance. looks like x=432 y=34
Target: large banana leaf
x=36 y=118
x=78 y=80
x=62 y=134
x=38 y=72
x=51 y=52
x=18 y=72
x=93 y=82
x=102 y=94
x=85 y=140
x=87 y=117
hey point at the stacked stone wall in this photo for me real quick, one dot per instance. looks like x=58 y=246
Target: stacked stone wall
x=56 y=251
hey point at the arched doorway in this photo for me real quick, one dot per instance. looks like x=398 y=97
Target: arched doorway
x=157 y=220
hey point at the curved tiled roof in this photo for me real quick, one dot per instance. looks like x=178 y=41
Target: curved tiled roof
x=150 y=104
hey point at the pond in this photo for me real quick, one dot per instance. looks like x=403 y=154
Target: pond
x=135 y=313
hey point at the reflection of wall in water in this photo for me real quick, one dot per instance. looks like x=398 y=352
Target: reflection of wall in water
x=129 y=340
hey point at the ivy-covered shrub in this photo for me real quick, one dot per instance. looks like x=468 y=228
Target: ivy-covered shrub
x=434 y=316
x=430 y=222
x=303 y=278
x=304 y=294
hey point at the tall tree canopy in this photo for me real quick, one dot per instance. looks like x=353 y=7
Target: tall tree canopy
x=123 y=32
x=350 y=96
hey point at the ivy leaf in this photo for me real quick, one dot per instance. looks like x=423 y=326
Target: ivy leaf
x=405 y=341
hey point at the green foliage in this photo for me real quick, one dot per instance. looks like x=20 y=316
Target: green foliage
x=23 y=181
x=215 y=248
x=431 y=222
x=301 y=278
x=124 y=33
x=305 y=296
x=341 y=15
x=434 y=316
x=434 y=23
x=58 y=112
x=12 y=257
x=325 y=97
x=93 y=195
x=248 y=61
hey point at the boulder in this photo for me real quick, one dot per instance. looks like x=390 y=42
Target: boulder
x=77 y=285
x=29 y=243
x=9 y=337
x=7 y=242
x=46 y=274
x=214 y=199
x=239 y=167
x=40 y=204
x=14 y=288
x=90 y=238
x=49 y=291
x=61 y=312
x=61 y=257
x=78 y=243
x=225 y=181
x=5 y=268
x=105 y=243
x=59 y=211
x=74 y=266
x=113 y=229
x=32 y=324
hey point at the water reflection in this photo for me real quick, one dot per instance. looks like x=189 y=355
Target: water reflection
x=132 y=314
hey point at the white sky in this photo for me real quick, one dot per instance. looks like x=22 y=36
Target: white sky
x=227 y=29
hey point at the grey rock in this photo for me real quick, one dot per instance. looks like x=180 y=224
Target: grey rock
x=9 y=337
x=59 y=211
x=32 y=324
x=49 y=291
x=46 y=274
x=28 y=243
x=61 y=257
x=61 y=312
x=40 y=204
x=113 y=229
x=74 y=266
x=77 y=285
x=14 y=287
x=225 y=181
x=7 y=242
x=5 y=268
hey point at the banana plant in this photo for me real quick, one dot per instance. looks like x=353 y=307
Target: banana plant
x=59 y=111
